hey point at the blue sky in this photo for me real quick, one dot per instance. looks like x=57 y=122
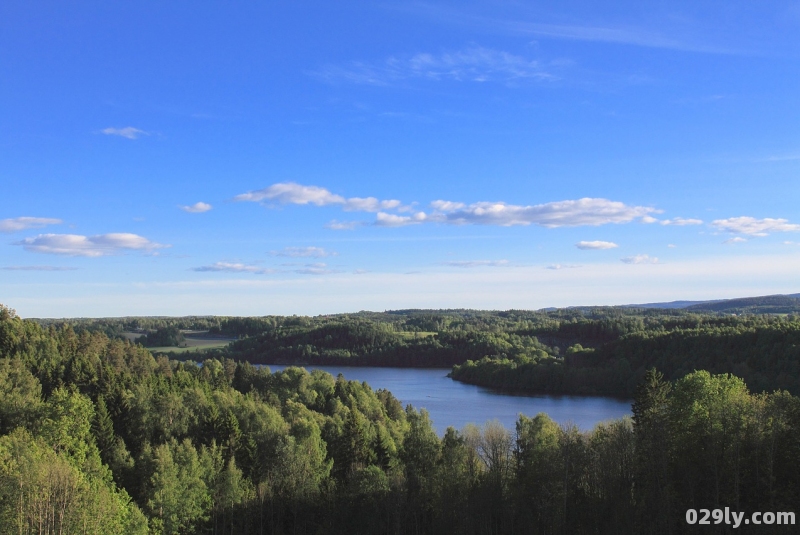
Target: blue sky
x=316 y=157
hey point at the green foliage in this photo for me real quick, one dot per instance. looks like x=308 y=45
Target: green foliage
x=96 y=436
x=165 y=336
x=43 y=491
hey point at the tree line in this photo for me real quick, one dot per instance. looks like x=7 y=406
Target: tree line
x=584 y=351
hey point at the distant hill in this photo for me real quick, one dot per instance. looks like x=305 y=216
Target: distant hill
x=671 y=304
x=766 y=304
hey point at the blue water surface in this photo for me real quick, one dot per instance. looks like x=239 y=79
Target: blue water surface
x=451 y=403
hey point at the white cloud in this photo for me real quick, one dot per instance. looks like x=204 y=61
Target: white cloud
x=300 y=252
x=24 y=223
x=92 y=246
x=737 y=239
x=640 y=259
x=681 y=222
x=292 y=193
x=128 y=132
x=233 y=267
x=316 y=269
x=671 y=246
x=476 y=263
x=447 y=206
x=343 y=225
x=754 y=227
x=196 y=208
x=369 y=204
x=563 y=266
x=571 y=213
x=649 y=219
x=474 y=64
x=391 y=220
x=596 y=244
x=39 y=268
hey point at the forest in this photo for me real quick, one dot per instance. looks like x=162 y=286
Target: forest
x=99 y=436
x=578 y=351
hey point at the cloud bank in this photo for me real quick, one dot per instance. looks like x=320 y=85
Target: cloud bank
x=570 y=213
x=754 y=227
x=23 y=223
x=293 y=193
x=90 y=246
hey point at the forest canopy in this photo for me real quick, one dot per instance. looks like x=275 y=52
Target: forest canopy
x=99 y=436
x=584 y=351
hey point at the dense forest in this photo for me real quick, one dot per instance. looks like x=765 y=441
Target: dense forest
x=583 y=351
x=98 y=436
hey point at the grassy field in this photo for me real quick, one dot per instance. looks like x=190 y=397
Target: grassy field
x=191 y=345
x=195 y=341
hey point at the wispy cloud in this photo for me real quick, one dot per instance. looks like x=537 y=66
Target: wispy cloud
x=127 y=132
x=293 y=193
x=563 y=266
x=233 y=267
x=316 y=269
x=754 y=227
x=634 y=36
x=91 y=246
x=344 y=225
x=196 y=208
x=596 y=244
x=23 y=223
x=473 y=64
x=640 y=259
x=682 y=39
x=736 y=239
x=681 y=222
x=303 y=252
x=39 y=268
x=476 y=263
x=570 y=213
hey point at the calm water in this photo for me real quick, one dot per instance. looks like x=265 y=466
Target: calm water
x=451 y=403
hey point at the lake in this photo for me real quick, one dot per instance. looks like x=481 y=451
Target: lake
x=451 y=403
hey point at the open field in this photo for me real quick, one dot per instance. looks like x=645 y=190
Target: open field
x=195 y=341
x=191 y=345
